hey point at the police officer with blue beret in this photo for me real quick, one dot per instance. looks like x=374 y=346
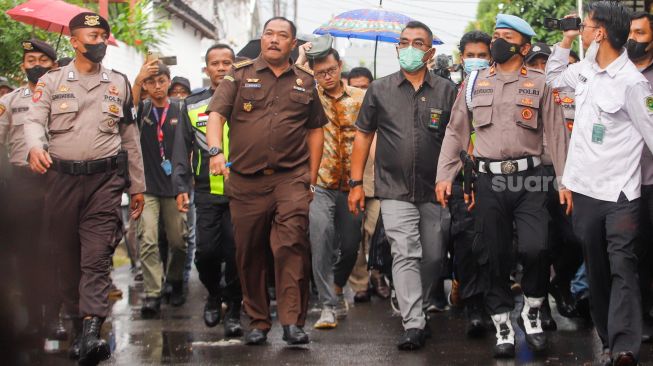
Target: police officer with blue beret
x=510 y=108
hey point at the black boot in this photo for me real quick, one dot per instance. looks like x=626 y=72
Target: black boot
x=475 y=327
x=212 y=311
x=73 y=349
x=166 y=292
x=93 y=348
x=293 y=334
x=548 y=323
x=232 y=327
x=177 y=297
x=151 y=307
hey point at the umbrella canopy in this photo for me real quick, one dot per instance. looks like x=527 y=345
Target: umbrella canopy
x=253 y=48
x=372 y=24
x=51 y=15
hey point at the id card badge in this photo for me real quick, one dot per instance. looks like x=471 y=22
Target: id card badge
x=598 y=133
x=435 y=118
x=167 y=167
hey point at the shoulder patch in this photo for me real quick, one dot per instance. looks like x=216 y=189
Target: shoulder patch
x=240 y=64
x=305 y=69
x=649 y=103
x=230 y=78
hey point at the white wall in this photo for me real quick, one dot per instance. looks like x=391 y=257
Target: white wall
x=181 y=41
x=125 y=59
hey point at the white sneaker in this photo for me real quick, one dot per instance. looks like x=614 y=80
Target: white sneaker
x=327 y=319
x=342 y=307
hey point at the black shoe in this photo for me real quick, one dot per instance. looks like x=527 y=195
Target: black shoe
x=536 y=341
x=212 y=311
x=362 y=296
x=73 y=349
x=151 y=307
x=177 y=297
x=293 y=334
x=412 y=339
x=93 y=348
x=625 y=359
x=548 y=323
x=565 y=302
x=504 y=350
x=475 y=327
x=256 y=337
x=232 y=327
x=166 y=292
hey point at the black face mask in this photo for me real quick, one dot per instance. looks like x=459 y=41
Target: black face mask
x=636 y=50
x=95 y=52
x=502 y=50
x=35 y=73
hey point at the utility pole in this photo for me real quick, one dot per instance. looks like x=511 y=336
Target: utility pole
x=276 y=8
x=295 y=11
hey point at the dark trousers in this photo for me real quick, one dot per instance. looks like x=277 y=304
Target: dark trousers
x=215 y=245
x=500 y=201
x=30 y=256
x=270 y=215
x=644 y=252
x=608 y=231
x=565 y=251
x=469 y=261
x=83 y=226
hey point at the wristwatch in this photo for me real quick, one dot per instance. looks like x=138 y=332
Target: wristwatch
x=214 y=151
x=354 y=183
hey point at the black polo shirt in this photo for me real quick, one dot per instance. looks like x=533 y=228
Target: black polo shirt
x=410 y=127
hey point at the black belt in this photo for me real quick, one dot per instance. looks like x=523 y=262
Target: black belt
x=267 y=171
x=85 y=167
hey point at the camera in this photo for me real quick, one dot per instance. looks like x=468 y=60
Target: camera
x=564 y=24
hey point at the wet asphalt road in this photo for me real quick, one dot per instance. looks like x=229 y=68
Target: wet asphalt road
x=366 y=337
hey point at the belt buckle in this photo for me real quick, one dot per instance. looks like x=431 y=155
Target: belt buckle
x=508 y=167
x=79 y=168
x=268 y=171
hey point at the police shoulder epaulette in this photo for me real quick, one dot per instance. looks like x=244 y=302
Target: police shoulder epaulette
x=55 y=69
x=240 y=64
x=305 y=69
x=538 y=71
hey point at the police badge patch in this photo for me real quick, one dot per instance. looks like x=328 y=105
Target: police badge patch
x=436 y=115
x=649 y=103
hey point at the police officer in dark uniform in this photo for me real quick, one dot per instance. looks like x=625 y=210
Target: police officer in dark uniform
x=80 y=123
x=511 y=109
x=275 y=119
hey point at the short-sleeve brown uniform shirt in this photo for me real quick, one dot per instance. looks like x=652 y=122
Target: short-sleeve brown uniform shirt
x=268 y=116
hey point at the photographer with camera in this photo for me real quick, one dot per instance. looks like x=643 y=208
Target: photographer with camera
x=614 y=110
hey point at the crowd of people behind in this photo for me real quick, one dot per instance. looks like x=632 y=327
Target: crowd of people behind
x=285 y=175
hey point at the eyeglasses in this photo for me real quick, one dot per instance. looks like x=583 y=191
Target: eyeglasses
x=583 y=26
x=415 y=44
x=330 y=71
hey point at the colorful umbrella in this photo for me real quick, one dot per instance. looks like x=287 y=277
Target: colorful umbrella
x=51 y=15
x=373 y=24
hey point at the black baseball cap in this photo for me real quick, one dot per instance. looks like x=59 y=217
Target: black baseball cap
x=538 y=49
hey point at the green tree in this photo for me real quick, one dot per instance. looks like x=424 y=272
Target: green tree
x=532 y=11
x=134 y=26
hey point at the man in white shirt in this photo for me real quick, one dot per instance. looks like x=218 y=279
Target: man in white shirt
x=614 y=117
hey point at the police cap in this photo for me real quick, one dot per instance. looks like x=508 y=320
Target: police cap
x=35 y=45
x=88 y=20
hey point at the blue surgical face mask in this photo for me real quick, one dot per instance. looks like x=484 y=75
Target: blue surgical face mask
x=410 y=58
x=473 y=64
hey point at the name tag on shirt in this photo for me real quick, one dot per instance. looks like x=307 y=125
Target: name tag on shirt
x=253 y=85
x=598 y=132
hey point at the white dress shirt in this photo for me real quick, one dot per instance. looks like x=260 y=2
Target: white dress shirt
x=620 y=99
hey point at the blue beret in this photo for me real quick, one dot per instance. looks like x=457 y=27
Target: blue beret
x=513 y=22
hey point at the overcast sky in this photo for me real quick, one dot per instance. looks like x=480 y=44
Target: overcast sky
x=447 y=20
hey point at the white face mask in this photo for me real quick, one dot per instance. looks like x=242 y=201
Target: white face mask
x=592 y=51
